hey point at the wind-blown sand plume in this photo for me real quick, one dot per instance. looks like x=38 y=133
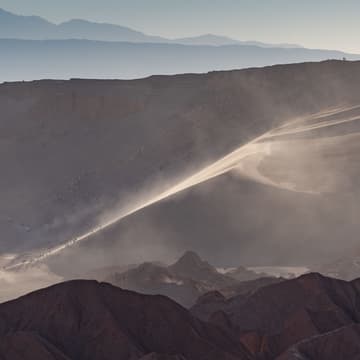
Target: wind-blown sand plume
x=245 y=160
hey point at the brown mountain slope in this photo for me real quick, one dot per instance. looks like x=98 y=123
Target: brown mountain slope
x=88 y=320
x=278 y=316
x=340 y=344
x=22 y=345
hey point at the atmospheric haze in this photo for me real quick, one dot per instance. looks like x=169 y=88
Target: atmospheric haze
x=294 y=145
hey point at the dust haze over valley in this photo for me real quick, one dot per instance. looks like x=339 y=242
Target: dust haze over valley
x=256 y=167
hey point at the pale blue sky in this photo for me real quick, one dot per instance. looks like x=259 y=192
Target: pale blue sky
x=330 y=24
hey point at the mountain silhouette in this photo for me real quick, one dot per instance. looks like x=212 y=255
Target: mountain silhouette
x=64 y=59
x=33 y=48
x=36 y=28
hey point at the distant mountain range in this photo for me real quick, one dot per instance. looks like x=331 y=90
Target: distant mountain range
x=216 y=40
x=184 y=281
x=36 y=28
x=65 y=59
x=33 y=48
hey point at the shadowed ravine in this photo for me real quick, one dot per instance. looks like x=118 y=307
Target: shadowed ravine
x=305 y=141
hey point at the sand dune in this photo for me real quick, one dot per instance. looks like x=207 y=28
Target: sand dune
x=256 y=151
x=245 y=161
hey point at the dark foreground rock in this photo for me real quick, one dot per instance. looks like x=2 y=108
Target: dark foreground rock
x=95 y=321
x=277 y=317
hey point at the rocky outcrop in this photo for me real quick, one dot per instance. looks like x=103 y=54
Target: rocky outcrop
x=184 y=281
